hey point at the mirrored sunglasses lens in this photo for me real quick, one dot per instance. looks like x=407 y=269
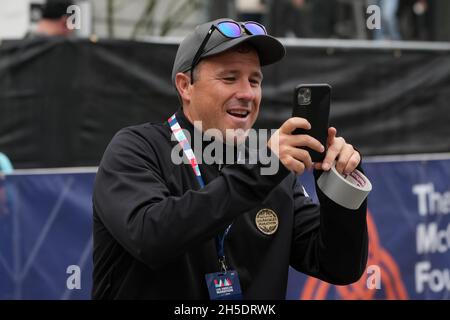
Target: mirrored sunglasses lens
x=230 y=29
x=255 y=29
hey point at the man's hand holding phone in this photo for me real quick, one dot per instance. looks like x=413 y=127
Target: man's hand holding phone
x=300 y=140
x=289 y=147
x=346 y=157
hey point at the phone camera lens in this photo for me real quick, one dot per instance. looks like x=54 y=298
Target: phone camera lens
x=304 y=96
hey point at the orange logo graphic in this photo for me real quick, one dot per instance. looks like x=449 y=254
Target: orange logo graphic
x=391 y=282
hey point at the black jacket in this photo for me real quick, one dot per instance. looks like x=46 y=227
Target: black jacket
x=155 y=228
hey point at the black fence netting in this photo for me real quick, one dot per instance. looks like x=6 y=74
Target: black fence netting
x=62 y=100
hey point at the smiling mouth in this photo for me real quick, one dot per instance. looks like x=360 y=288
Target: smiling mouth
x=238 y=113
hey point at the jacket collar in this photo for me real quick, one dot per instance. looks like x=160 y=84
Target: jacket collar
x=187 y=125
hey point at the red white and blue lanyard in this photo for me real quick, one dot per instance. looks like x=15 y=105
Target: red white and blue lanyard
x=184 y=143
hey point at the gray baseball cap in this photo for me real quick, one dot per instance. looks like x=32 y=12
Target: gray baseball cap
x=269 y=49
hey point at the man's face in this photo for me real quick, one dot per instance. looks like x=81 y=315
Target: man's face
x=227 y=91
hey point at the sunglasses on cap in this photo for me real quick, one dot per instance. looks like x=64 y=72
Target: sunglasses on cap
x=230 y=29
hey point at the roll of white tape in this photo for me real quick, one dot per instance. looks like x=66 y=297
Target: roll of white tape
x=347 y=190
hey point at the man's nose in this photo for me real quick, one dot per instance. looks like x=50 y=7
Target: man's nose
x=246 y=91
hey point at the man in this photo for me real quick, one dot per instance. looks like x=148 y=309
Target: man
x=166 y=231
x=54 y=20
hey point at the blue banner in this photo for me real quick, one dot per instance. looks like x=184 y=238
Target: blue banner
x=409 y=236
x=46 y=236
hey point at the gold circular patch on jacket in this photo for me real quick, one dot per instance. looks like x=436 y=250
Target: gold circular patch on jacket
x=267 y=221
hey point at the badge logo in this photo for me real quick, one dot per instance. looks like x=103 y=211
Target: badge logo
x=266 y=221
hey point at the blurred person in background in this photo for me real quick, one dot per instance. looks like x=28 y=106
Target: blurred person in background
x=251 y=10
x=389 y=22
x=416 y=19
x=5 y=164
x=290 y=18
x=53 y=21
x=5 y=168
x=324 y=18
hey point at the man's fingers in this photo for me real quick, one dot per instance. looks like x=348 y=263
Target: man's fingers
x=293 y=123
x=327 y=162
x=294 y=165
x=331 y=135
x=304 y=140
x=332 y=153
x=353 y=162
x=301 y=155
x=344 y=157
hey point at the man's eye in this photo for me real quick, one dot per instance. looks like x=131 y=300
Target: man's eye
x=254 y=81
x=229 y=78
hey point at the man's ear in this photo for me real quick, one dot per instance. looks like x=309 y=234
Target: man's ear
x=63 y=21
x=183 y=84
